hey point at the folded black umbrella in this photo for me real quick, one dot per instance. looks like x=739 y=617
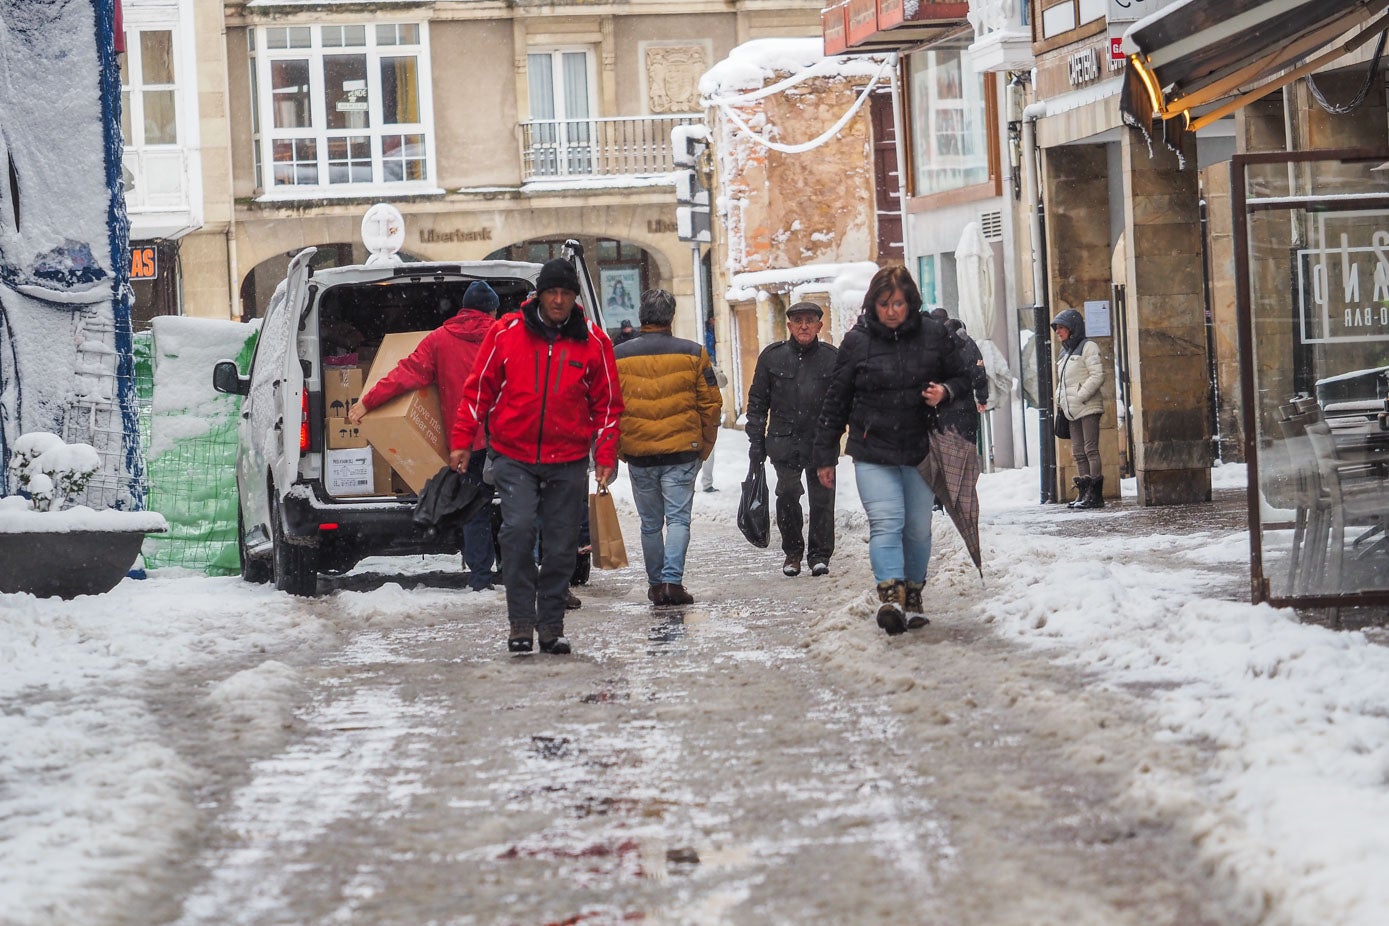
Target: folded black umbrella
x=450 y=498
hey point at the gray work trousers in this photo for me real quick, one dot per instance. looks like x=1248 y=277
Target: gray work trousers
x=549 y=499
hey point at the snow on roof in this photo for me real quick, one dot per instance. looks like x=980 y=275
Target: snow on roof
x=801 y=274
x=621 y=182
x=845 y=282
x=598 y=183
x=751 y=65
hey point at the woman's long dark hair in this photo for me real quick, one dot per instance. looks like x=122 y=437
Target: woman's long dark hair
x=885 y=281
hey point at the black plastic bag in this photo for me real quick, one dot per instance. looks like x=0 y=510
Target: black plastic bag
x=754 y=520
x=450 y=499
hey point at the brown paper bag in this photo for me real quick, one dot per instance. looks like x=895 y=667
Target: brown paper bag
x=609 y=552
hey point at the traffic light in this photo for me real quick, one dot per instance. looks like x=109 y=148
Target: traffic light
x=691 y=194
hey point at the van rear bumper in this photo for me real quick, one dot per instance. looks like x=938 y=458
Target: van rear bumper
x=349 y=531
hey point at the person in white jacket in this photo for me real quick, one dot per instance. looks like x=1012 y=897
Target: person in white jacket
x=1079 y=379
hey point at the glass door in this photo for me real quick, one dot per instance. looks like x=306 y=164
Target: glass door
x=1312 y=246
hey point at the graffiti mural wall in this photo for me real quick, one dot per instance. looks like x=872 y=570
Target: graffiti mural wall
x=65 y=351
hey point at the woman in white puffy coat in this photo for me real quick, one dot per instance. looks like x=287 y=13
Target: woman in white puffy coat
x=1079 y=379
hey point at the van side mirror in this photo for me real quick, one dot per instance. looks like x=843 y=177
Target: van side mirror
x=227 y=378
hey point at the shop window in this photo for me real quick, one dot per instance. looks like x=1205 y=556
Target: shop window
x=949 y=124
x=345 y=106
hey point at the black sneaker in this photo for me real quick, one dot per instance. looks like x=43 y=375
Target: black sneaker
x=656 y=594
x=559 y=646
x=819 y=569
x=518 y=644
x=572 y=602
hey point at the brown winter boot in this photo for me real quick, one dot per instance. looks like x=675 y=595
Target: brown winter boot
x=911 y=604
x=892 y=593
x=1082 y=484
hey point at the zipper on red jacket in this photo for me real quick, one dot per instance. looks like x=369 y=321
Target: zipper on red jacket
x=544 y=400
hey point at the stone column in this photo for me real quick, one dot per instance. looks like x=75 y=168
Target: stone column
x=1166 y=313
x=1078 y=257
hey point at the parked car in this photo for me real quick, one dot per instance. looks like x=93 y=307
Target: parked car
x=292 y=523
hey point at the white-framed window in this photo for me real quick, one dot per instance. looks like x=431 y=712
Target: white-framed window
x=341 y=108
x=154 y=125
x=1061 y=16
x=561 y=85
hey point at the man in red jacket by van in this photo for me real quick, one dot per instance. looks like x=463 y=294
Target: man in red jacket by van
x=546 y=384
x=445 y=358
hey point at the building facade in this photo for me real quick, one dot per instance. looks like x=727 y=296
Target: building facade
x=260 y=128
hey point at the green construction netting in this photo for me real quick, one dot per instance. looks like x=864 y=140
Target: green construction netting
x=188 y=434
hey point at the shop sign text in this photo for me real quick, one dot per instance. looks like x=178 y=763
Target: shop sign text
x=1345 y=290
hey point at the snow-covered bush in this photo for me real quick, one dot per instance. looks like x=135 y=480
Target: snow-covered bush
x=50 y=472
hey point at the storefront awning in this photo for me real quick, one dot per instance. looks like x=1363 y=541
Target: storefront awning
x=1198 y=53
x=859 y=26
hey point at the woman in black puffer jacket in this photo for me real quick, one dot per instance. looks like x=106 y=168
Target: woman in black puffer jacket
x=893 y=368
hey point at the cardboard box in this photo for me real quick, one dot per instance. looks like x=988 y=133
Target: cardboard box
x=342 y=434
x=349 y=472
x=342 y=389
x=360 y=471
x=384 y=478
x=407 y=431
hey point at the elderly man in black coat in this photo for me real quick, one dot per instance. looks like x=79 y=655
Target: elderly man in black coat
x=783 y=405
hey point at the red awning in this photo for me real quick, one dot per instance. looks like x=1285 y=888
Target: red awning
x=858 y=26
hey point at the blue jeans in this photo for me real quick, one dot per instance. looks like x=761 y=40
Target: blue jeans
x=898 y=503
x=664 y=496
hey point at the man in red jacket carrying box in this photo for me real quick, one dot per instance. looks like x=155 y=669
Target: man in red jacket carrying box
x=445 y=358
x=546 y=384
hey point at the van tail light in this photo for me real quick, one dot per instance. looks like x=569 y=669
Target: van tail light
x=328 y=526
x=304 y=422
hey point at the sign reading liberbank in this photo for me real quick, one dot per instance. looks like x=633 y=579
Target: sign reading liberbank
x=1343 y=291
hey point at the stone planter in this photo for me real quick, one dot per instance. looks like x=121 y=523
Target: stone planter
x=56 y=555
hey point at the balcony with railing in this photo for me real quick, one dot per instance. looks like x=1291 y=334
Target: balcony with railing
x=624 y=146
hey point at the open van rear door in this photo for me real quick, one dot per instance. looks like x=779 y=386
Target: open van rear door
x=573 y=252
x=274 y=406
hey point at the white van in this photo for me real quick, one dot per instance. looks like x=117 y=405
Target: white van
x=292 y=523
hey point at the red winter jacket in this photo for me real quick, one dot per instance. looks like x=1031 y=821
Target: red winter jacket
x=544 y=401
x=444 y=358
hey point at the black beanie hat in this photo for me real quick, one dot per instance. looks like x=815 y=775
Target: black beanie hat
x=557 y=272
x=480 y=296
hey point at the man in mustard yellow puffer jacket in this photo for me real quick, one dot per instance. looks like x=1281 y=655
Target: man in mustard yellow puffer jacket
x=671 y=419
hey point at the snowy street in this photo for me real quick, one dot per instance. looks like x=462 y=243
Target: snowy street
x=1051 y=749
